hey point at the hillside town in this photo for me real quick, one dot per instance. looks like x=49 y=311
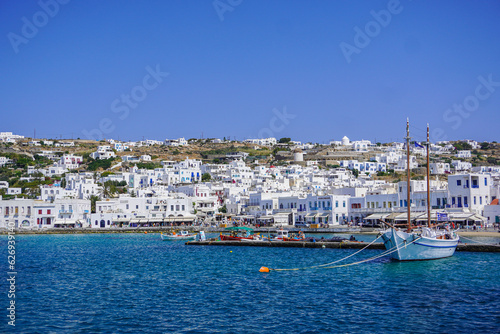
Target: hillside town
x=50 y=183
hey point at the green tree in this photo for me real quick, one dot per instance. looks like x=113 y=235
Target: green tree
x=93 y=200
x=284 y=140
x=206 y=177
x=223 y=209
x=355 y=172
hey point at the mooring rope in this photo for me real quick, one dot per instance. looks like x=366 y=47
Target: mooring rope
x=327 y=265
x=479 y=242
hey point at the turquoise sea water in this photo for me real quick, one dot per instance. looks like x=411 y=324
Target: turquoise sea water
x=136 y=283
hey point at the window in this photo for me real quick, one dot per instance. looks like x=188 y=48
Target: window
x=39 y=211
x=453 y=201
x=343 y=204
x=48 y=212
x=485 y=181
x=459 y=182
x=95 y=223
x=465 y=201
x=480 y=200
x=336 y=204
x=137 y=206
x=171 y=208
x=474 y=200
x=177 y=207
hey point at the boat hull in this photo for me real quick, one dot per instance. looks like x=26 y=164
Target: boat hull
x=177 y=237
x=412 y=247
x=224 y=237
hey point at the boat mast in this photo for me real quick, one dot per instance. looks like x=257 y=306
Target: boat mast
x=408 y=173
x=428 y=182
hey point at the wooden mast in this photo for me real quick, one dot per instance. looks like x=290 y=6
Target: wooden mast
x=408 y=173
x=428 y=182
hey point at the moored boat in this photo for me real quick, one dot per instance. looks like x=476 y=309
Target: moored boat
x=425 y=243
x=237 y=233
x=182 y=235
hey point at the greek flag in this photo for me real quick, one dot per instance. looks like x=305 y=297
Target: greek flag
x=418 y=145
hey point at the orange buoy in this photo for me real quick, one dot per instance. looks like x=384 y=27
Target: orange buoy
x=264 y=270
x=145 y=232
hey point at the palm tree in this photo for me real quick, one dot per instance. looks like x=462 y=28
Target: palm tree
x=93 y=200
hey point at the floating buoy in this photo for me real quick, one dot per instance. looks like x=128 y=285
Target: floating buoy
x=264 y=269
x=230 y=251
x=145 y=232
x=323 y=246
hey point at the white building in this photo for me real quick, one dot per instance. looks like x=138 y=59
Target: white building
x=263 y=141
x=4 y=161
x=70 y=161
x=33 y=214
x=465 y=154
x=103 y=152
x=8 y=137
x=439 y=168
x=176 y=142
x=469 y=191
x=461 y=166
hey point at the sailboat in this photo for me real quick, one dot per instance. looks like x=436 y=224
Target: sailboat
x=426 y=243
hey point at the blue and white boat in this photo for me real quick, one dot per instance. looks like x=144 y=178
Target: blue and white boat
x=426 y=243
x=182 y=235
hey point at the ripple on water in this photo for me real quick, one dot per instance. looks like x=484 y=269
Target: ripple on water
x=130 y=283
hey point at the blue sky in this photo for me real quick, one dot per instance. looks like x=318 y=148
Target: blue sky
x=309 y=70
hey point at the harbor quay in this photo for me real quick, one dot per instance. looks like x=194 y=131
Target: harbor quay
x=325 y=244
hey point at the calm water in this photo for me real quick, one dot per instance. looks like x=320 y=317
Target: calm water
x=136 y=283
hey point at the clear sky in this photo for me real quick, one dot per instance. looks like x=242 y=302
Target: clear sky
x=310 y=70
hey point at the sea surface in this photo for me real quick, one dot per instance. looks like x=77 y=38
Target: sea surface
x=136 y=283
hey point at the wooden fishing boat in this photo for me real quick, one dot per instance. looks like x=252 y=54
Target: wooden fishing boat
x=414 y=243
x=182 y=235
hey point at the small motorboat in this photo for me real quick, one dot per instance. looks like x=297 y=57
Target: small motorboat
x=238 y=233
x=182 y=235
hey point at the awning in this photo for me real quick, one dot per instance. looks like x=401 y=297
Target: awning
x=156 y=220
x=393 y=215
x=64 y=222
x=266 y=217
x=310 y=215
x=121 y=220
x=321 y=215
x=281 y=218
x=179 y=219
x=377 y=216
x=404 y=216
